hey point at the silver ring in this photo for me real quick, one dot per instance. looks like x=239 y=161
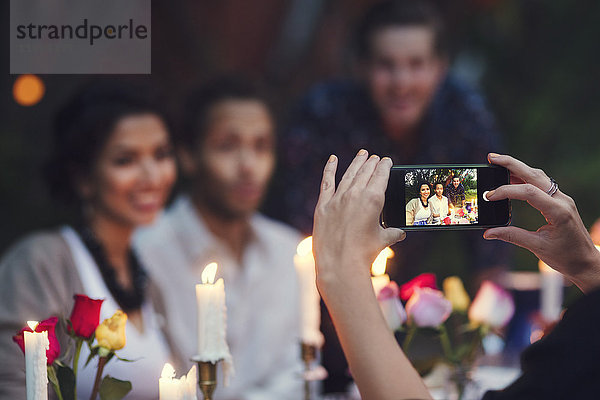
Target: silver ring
x=553 y=187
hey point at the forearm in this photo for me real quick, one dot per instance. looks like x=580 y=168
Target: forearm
x=380 y=369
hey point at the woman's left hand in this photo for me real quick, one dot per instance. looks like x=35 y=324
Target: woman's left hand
x=347 y=235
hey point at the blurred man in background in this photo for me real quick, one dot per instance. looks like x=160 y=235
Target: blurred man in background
x=403 y=103
x=228 y=155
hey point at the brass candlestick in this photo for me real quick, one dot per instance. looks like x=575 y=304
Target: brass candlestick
x=207 y=378
x=309 y=354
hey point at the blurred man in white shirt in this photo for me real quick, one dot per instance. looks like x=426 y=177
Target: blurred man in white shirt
x=228 y=156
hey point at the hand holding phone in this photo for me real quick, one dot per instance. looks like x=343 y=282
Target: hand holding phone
x=432 y=197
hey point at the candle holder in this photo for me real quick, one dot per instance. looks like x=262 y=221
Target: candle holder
x=207 y=377
x=309 y=354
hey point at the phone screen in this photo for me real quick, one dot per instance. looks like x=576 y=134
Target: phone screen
x=445 y=197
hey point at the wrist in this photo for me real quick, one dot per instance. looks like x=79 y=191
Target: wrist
x=344 y=277
x=588 y=279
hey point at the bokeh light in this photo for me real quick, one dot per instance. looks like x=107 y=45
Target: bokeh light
x=28 y=90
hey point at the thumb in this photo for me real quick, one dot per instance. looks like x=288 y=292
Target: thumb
x=517 y=236
x=392 y=235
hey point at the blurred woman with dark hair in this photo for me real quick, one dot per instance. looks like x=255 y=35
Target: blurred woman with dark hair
x=113 y=162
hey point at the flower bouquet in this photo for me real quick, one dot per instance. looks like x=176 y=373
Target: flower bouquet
x=448 y=315
x=83 y=326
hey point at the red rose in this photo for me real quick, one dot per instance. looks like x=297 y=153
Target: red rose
x=426 y=280
x=46 y=325
x=85 y=316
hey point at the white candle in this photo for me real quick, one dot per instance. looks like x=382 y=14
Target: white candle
x=36 y=373
x=171 y=388
x=168 y=386
x=310 y=300
x=212 y=314
x=551 y=292
x=380 y=279
x=190 y=385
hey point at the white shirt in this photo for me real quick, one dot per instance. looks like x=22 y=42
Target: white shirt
x=439 y=206
x=148 y=349
x=262 y=299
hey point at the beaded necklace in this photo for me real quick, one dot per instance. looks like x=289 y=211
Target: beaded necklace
x=128 y=299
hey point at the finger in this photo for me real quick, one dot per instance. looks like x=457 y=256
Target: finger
x=521 y=170
x=381 y=175
x=365 y=172
x=350 y=173
x=328 y=182
x=392 y=236
x=526 y=192
x=515 y=235
x=515 y=180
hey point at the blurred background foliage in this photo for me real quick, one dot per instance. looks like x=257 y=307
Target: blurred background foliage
x=536 y=61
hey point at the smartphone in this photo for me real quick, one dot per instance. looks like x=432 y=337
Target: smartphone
x=445 y=197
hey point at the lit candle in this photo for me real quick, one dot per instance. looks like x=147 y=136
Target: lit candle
x=36 y=373
x=190 y=384
x=380 y=279
x=168 y=386
x=551 y=292
x=310 y=301
x=210 y=296
x=171 y=388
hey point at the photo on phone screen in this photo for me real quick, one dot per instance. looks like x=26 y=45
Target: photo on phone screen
x=441 y=196
x=444 y=197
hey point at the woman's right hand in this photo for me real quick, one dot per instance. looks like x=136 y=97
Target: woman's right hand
x=563 y=243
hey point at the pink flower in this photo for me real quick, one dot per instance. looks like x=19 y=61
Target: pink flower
x=428 y=308
x=390 y=305
x=421 y=281
x=46 y=325
x=492 y=306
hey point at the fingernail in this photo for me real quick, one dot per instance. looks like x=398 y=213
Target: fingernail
x=487 y=194
x=361 y=152
x=489 y=236
x=331 y=158
x=374 y=156
x=493 y=155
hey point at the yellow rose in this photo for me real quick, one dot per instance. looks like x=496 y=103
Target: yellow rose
x=110 y=334
x=455 y=292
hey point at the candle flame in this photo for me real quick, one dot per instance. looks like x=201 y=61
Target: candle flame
x=305 y=247
x=32 y=324
x=209 y=273
x=378 y=267
x=168 y=372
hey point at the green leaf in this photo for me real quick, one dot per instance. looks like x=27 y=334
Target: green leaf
x=127 y=359
x=52 y=375
x=93 y=353
x=113 y=389
x=463 y=351
x=54 y=380
x=66 y=380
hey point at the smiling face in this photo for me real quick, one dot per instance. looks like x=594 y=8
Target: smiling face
x=439 y=190
x=235 y=158
x=425 y=191
x=455 y=182
x=132 y=176
x=402 y=74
